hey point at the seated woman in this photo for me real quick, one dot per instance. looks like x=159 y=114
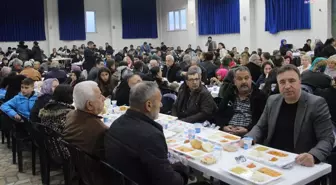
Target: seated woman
x=47 y=89
x=329 y=95
x=315 y=77
x=53 y=115
x=331 y=69
x=266 y=69
x=76 y=78
x=306 y=63
x=220 y=75
x=104 y=82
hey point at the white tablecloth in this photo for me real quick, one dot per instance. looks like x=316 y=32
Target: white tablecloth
x=298 y=175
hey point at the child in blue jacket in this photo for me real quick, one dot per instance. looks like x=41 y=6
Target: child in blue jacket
x=22 y=103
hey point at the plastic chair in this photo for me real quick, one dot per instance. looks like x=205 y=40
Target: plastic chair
x=44 y=138
x=83 y=162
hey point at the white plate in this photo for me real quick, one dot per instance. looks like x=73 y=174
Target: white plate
x=168 y=133
x=265 y=157
x=190 y=154
x=251 y=173
x=217 y=137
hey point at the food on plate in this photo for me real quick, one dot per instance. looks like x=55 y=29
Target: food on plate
x=184 y=149
x=171 y=141
x=238 y=170
x=258 y=177
x=207 y=147
x=209 y=159
x=186 y=141
x=224 y=141
x=273 y=159
x=197 y=153
x=261 y=148
x=251 y=165
x=231 y=137
x=277 y=153
x=123 y=108
x=269 y=172
x=230 y=148
x=214 y=137
x=256 y=153
x=196 y=144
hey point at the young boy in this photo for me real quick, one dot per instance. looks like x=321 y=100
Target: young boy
x=22 y=103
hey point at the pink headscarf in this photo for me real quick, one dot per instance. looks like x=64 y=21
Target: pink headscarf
x=222 y=73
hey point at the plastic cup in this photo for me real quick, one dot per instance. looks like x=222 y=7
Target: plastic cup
x=114 y=103
x=247 y=142
x=198 y=128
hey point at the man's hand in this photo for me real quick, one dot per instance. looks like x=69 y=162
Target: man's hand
x=305 y=159
x=228 y=128
x=240 y=130
x=17 y=117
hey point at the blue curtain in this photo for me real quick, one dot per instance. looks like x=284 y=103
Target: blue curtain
x=22 y=20
x=218 y=17
x=139 y=19
x=284 y=15
x=71 y=16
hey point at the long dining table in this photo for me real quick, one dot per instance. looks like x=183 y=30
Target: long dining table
x=296 y=175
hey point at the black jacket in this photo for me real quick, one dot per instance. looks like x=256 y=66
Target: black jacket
x=194 y=107
x=328 y=51
x=135 y=145
x=315 y=79
x=122 y=93
x=226 y=111
x=329 y=96
x=23 y=52
x=89 y=59
x=37 y=54
x=172 y=73
x=210 y=69
x=255 y=70
x=306 y=48
x=39 y=104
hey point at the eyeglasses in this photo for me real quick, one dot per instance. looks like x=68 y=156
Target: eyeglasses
x=193 y=80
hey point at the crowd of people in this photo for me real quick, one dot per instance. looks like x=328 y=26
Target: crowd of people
x=262 y=95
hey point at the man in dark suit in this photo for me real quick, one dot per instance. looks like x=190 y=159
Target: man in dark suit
x=172 y=70
x=330 y=49
x=89 y=56
x=295 y=121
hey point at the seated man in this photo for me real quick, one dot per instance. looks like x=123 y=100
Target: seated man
x=84 y=128
x=194 y=102
x=93 y=74
x=135 y=144
x=30 y=72
x=172 y=70
x=242 y=106
x=295 y=121
x=20 y=106
x=122 y=91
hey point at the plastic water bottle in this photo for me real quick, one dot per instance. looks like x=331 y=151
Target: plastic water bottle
x=217 y=151
x=191 y=133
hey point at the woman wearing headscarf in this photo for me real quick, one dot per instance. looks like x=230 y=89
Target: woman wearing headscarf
x=46 y=93
x=315 y=77
x=284 y=47
x=220 y=75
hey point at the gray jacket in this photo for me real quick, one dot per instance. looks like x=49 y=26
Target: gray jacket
x=313 y=130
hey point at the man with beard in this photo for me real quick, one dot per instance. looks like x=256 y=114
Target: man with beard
x=242 y=106
x=295 y=121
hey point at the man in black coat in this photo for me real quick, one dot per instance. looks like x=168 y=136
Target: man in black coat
x=172 y=70
x=108 y=48
x=254 y=67
x=89 y=56
x=194 y=102
x=329 y=50
x=36 y=52
x=135 y=144
x=210 y=67
x=242 y=104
